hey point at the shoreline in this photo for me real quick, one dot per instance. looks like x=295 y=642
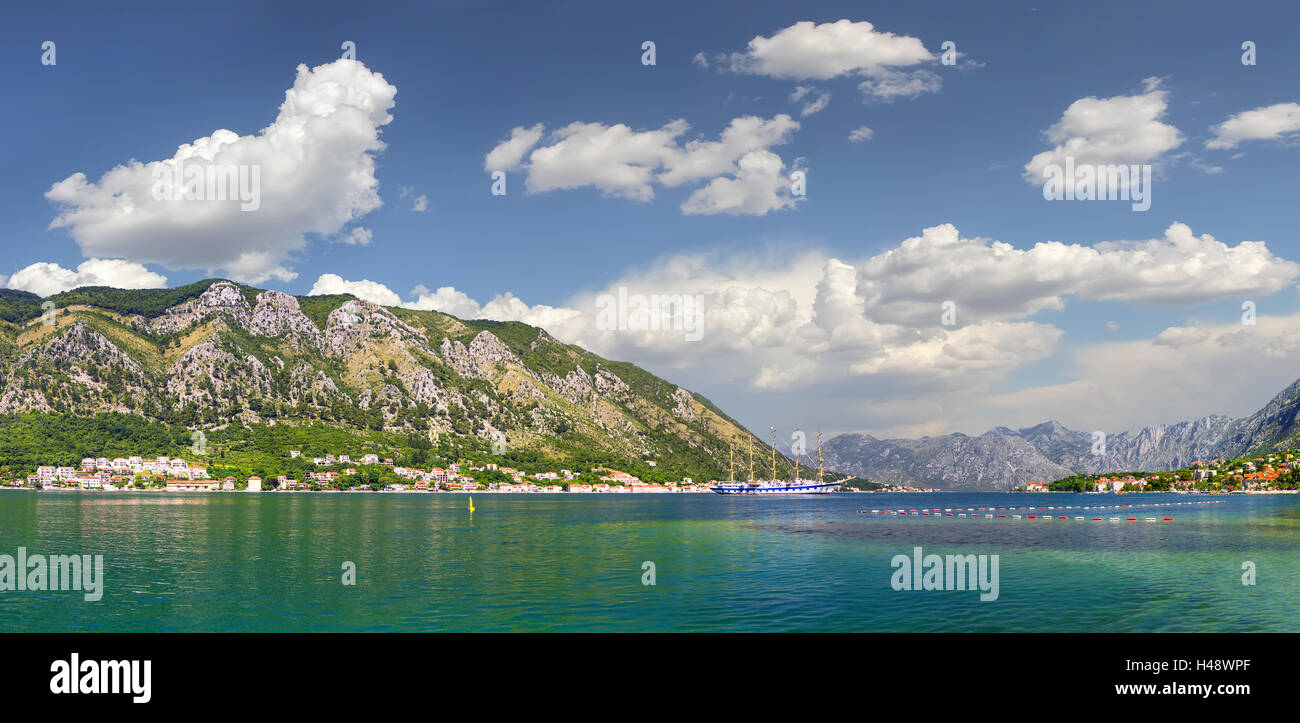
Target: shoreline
x=637 y=494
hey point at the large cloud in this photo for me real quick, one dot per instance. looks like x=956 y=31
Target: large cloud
x=616 y=159
x=807 y=51
x=990 y=280
x=45 y=279
x=1270 y=122
x=746 y=177
x=315 y=164
x=810 y=51
x=1125 y=129
x=865 y=344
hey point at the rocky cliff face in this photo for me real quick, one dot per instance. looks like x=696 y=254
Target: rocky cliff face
x=991 y=461
x=228 y=353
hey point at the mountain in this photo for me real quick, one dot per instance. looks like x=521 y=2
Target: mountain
x=220 y=357
x=1003 y=458
x=217 y=355
x=993 y=460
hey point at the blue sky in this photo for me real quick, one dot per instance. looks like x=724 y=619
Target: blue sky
x=137 y=82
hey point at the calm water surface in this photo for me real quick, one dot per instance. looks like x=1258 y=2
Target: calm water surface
x=273 y=562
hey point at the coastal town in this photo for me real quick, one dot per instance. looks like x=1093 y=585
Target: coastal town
x=1274 y=473
x=368 y=472
x=1278 y=472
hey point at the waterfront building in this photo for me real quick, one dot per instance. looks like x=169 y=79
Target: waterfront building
x=185 y=485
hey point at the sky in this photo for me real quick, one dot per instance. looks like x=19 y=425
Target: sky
x=844 y=210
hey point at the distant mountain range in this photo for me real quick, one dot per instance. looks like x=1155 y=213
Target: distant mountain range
x=1003 y=458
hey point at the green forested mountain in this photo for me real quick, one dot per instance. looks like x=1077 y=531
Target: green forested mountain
x=265 y=371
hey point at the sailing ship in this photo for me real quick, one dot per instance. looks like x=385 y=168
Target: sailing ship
x=774 y=486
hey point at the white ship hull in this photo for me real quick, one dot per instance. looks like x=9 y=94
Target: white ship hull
x=780 y=488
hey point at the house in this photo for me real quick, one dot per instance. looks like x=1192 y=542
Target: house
x=185 y=485
x=228 y=484
x=1256 y=480
x=254 y=484
x=370 y=459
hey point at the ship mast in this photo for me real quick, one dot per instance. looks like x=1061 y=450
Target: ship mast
x=731 y=462
x=751 y=459
x=796 y=454
x=773 y=454
x=819 y=455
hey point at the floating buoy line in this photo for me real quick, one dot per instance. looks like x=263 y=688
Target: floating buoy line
x=1011 y=513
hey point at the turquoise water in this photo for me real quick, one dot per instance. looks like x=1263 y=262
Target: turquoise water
x=273 y=562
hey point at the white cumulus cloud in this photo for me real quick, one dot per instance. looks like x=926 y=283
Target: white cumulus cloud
x=45 y=278
x=994 y=280
x=314 y=163
x=1125 y=129
x=1267 y=123
x=628 y=163
x=758 y=186
x=808 y=51
x=371 y=291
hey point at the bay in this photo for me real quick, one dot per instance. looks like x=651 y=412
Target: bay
x=218 y=562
